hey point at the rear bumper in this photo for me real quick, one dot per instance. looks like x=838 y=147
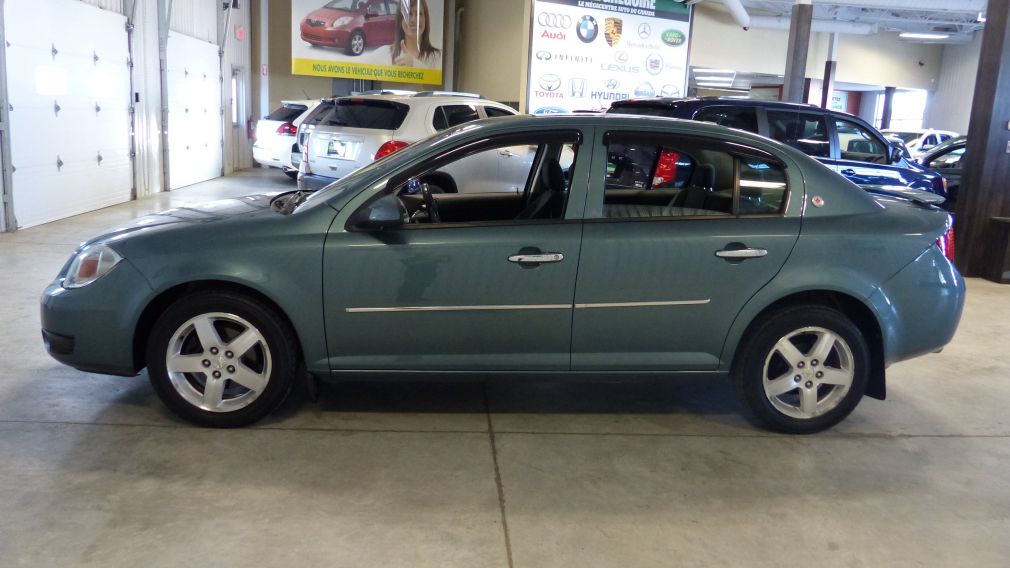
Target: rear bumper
x=274 y=153
x=920 y=307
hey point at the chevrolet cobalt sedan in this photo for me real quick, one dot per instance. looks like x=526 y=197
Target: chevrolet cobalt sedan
x=636 y=246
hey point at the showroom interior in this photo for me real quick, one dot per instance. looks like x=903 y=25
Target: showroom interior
x=172 y=164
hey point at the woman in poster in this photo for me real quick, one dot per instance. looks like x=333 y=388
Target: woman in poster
x=412 y=47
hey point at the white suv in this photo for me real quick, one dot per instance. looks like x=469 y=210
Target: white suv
x=275 y=135
x=920 y=141
x=346 y=133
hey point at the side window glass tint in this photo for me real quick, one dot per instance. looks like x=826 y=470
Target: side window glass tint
x=948 y=160
x=856 y=143
x=733 y=117
x=439 y=121
x=807 y=133
x=762 y=187
x=460 y=114
x=493 y=112
x=649 y=180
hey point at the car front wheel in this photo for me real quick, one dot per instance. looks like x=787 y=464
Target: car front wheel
x=221 y=360
x=802 y=370
x=357 y=43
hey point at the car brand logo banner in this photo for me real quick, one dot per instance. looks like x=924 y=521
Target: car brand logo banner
x=612 y=29
x=337 y=38
x=585 y=54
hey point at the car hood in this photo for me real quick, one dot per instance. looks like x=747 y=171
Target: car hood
x=328 y=14
x=208 y=212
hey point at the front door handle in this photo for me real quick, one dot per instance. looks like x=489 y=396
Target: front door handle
x=536 y=259
x=848 y=172
x=739 y=254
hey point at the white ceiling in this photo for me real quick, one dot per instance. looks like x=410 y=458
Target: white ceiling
x=958 y=18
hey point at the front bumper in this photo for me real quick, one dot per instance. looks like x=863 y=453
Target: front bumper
x=92 y=328
x=325 y=36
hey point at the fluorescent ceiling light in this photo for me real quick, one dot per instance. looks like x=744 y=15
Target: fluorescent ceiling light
x=714 y=78
x=908 y=35
x=714 y=71
x=722 y=85
x=981 y=17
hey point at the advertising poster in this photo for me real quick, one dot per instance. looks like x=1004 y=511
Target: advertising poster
x=585 y=54
x=376 y=40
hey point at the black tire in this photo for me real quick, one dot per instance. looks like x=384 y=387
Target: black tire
x=293 y=174
x=758 y=347
x=356 y=45
x=281 y=353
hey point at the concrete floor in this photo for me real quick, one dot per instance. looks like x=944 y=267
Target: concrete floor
x=94 y=471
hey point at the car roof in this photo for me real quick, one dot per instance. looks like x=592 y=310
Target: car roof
x=413 y=99
x=708 y=101
x=303 y=102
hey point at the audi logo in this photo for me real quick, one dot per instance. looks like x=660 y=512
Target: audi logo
x=558 y=21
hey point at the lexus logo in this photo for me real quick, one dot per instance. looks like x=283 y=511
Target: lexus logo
x=558 y=21
x=550 y=82
x=612 y=84
x=544 y=55
x=621 y=57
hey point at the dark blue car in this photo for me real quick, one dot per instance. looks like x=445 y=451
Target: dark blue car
x=843 y=142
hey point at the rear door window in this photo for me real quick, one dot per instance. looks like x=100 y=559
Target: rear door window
x=857 y=143
x=807 y=133
x=733 y=117
x=365 y=113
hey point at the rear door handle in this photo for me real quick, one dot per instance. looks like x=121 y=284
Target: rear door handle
x=741 y=254
x=848 y=172
x=542 y=258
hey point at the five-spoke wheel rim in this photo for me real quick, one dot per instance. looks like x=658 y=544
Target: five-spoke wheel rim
x=218 y=362
x=808 y=372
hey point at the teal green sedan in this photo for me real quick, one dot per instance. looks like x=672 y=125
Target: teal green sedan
x=624 y=246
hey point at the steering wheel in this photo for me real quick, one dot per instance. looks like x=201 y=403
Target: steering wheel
x=430 y=204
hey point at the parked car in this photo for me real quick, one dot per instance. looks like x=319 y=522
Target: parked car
x=843 y=142
x=946 y=160
x=717 y=268
x=347 y=133
x=351 y=25
x=276 y=135
x=921 y=140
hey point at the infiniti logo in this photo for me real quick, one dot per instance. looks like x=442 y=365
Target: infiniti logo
x=550 y=82
x=549 y=20
x=544 y=55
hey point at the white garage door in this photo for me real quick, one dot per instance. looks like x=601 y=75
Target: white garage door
x=194 y=111
x=69 y=89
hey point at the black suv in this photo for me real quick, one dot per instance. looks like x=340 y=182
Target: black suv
x=843 y=142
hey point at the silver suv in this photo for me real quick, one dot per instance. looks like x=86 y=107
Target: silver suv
x=346 y=133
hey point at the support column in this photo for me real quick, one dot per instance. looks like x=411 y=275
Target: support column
x=799 y=47
x=7 y=221
x=164 y=22
x=982 y=243
x=885 y=118
x=828 y=86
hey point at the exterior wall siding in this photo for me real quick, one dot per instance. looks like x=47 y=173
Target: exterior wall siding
x=949 y=106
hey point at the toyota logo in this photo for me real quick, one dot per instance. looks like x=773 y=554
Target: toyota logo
x=544 y=55
x=550 y=82
x=612 y=84
x=558 y=21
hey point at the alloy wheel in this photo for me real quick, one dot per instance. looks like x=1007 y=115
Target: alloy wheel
x=808 y=372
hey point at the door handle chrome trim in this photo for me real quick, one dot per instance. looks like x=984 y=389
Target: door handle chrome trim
x=741 y=253
x=545 y=258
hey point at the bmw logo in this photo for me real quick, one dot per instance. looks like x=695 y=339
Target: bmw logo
x=587 y=29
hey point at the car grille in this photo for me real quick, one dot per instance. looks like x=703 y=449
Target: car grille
x=314 y=36
x=315 y=23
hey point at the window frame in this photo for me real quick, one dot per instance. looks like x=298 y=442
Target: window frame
x=834 y=150
x=738 y=108
x=872 y=132
x=573 y=136
x=594 y=212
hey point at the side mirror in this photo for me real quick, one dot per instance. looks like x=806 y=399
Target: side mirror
x=387 y=212
x=896 y=153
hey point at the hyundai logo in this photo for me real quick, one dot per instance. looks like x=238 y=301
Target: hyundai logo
x=612 y=84
x=544 y=55
x=550 y=82
x=558 y=21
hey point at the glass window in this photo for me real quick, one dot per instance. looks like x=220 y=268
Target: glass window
x=733 y=117
x=286 y=113
x=807 y=133
x=930 y=141
x=440 y=122
x=460 y=114
x=378 y=7
x=856 y=143
x=762 y=187
x=493 y=112
x=947 y=161
x=515 y=181
x=365 y=113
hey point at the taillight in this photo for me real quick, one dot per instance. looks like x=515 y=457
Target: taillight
x=287 y=129
x=946 y=243
x=666 y=167
x=390 y=147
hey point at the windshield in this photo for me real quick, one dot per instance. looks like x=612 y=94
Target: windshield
x=348 y=5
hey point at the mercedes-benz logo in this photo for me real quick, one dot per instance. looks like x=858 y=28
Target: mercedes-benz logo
x=644 y=30
x=551 y=20
x=550 y=82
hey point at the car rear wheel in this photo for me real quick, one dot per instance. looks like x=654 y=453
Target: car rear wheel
x=293 y=174
x=802 y=370
x=221 y=360
x=357 y=43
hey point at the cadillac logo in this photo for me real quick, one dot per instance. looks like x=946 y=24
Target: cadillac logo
x=612 y=28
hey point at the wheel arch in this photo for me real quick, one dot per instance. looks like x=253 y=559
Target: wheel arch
x=157 y=305
x=861 y=314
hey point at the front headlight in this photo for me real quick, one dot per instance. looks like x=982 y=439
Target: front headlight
x=89 y=265
x=341 y=21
